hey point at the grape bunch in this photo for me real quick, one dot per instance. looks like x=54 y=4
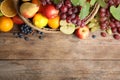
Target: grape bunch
x=26 y=31
x=108 y=22
x=67 y=11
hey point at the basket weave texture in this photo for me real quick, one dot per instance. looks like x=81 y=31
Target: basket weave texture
x=49 y=30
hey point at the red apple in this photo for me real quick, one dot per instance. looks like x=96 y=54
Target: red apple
x=17 y=20
x=50 y=11
x=82 y=32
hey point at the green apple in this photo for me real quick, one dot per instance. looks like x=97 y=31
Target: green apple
x=67 y=28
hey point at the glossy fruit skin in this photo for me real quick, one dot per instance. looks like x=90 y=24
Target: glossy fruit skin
x=40 y=20
x=17 y=20
x=28 y=10
x=50 y=11
x=82 y=32
x=6 y=24
x=54 y=22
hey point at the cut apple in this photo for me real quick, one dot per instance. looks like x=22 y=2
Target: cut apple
x=68 y=29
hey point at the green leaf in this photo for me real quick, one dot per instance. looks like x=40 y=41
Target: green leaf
x=115 y=12
x=102 y=3
x=56 y=1
x=85 y=11
x=92 y=2
x=78 y=2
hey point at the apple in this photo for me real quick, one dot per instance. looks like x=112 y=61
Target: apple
x=28 y=10
x=66 y=28
x=50 y=11
x=17 y=20
x=82 y=32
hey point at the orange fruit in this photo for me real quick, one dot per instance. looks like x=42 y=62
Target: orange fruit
x=39 y=20
x=54 y=22
x=6 y=24
x=7 y=8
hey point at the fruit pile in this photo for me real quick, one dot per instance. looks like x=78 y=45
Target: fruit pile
x=68 y=16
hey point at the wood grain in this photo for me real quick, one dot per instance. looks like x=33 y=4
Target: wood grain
x=59 y=57
x=59 y=70
x=58 y=46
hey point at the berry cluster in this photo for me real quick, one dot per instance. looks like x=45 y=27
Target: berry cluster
x=69 y=12
x=25 y=31
x=107 y=21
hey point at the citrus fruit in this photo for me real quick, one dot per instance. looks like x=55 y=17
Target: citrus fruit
x=7 y=8
x=6 y=24
x=39 y=20
x=54 y=22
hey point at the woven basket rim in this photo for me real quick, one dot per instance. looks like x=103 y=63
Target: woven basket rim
x=49 y=30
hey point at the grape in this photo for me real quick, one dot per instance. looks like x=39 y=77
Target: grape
x=74 y=21
x=114 y=30
x=107 y=21
x=116 y=36
x=103 y=26
x=72 y=16
x=112 y=25
x=68 y=3
x=70 y=11
x=103 y=10
x=102 y=14
x=78 y=22
x=103 y=34
x=75 y=10
x=68 y=19
x=117 y=23
x=103 y=19
x=63 y=16
x=64 y=9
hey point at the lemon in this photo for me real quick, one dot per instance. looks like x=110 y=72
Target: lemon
x=39 y=20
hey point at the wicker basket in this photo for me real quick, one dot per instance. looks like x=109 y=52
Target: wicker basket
x=49 y=30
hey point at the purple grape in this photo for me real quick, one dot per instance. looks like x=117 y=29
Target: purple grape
x=63 y=16
x=64 y=9
x=114 y=30
x=68 y=3
x=116 y=36
x=103 y=34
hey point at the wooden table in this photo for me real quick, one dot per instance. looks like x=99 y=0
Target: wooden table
x=59 y=57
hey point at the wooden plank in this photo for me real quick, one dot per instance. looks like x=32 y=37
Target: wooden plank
x=58 y=46
x=59 y=70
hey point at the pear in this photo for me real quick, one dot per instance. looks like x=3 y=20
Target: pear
x=28 y=10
